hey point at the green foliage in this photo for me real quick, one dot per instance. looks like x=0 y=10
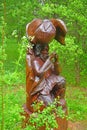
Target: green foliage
x=47 y=117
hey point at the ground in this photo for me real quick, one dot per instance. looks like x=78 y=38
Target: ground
x=81 y=125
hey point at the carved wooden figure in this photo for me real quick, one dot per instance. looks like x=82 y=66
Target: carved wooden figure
x=43 y=80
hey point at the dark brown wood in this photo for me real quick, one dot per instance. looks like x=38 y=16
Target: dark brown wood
x=61 y=30
x=43 y=80
x=43 y=31
x=62 y=124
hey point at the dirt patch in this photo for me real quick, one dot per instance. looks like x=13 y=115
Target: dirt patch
x=82 y=125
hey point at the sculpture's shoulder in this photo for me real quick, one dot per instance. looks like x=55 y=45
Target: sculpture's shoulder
x=30 y=57
x=29 y=68
x=30 y=52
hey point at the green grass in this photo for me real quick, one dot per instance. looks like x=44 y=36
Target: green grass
x=77 y=103
x=12 y=54
x=15 y=96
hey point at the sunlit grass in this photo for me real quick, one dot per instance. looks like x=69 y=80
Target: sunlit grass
x=77 y=102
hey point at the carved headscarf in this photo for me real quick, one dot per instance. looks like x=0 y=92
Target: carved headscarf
x=44 y=31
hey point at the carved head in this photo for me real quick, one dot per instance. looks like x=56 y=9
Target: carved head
x=41 y=51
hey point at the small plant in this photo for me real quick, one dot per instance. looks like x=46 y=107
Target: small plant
x=47 y=117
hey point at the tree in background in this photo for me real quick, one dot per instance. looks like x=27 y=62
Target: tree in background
x=74 y=55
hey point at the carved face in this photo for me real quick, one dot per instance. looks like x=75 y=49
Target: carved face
x=41 y=51
x=44 y=52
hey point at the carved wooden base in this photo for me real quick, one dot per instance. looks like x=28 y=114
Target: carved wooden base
x=62 y=123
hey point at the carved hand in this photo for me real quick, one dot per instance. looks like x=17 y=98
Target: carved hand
x=53 y=57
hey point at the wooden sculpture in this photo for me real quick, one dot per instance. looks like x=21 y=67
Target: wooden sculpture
x=43 y=80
